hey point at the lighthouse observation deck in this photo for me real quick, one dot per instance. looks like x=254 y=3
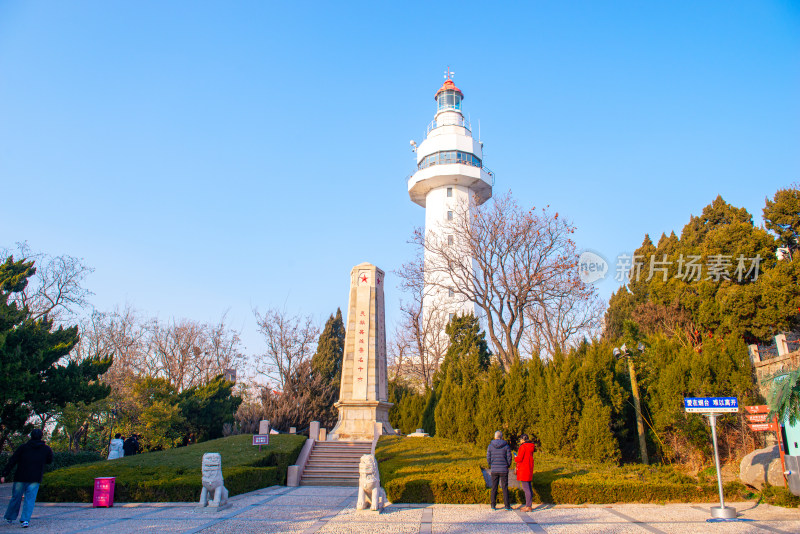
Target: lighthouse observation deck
x=449 y=155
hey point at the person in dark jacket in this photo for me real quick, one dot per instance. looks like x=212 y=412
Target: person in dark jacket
x=30 y=459
x=498 y=456
x=131 y=445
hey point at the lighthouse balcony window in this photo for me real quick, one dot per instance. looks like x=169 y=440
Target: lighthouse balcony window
x=449 y=156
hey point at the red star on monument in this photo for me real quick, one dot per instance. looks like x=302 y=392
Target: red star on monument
x=364 y=279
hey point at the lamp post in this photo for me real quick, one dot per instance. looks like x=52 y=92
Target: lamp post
x=624 y=352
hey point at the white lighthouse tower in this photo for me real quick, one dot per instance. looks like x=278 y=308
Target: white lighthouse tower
x=450 y=178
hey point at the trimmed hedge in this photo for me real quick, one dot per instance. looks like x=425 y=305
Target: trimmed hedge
x=436 y=470
x=175 y=475
x=61 y=459
x=181 y=488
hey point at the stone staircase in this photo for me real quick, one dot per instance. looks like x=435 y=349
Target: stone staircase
x=334 y=463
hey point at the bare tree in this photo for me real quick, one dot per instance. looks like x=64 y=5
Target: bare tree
x=223 y=349
x=185 y=352
x=291 y=340
x=419 y=343
x=175 y=351
x=562 y=320
x=119 y=333
x=57 y=289
x=504 y=260
x=189 y=353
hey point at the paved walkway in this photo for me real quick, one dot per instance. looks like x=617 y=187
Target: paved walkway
x=312 y=510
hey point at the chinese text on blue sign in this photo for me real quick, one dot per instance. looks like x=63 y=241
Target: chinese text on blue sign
x=711 y=404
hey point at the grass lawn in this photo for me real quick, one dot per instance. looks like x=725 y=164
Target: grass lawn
x=174 y=474
x=443 y=471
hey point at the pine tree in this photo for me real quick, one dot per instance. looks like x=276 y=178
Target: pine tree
x=327 y=362
x=782 y=216
x=31 y=378
x=595 y=439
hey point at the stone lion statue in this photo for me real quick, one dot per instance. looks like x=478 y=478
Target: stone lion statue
x=369 y=485
x=214 y=493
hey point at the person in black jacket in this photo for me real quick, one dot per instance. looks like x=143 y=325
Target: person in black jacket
x=498 y=455
x=131 y=445
x=29 y=458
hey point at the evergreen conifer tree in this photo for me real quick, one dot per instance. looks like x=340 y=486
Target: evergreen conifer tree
x=782 y=216
x=327 y=362
x=557 y=428
x=536 y=401
x=595 y=440
x=428 y=417
x=491 y=406
x=466 y=360
x=31 y=378
x=515 y=401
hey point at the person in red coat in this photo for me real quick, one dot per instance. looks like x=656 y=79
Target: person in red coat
x=525 y=470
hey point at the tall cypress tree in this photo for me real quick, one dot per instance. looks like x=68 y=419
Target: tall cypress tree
x=464 y=365
x=515 y=401
x=595 y=439
x=491 y=405
x=327 y=362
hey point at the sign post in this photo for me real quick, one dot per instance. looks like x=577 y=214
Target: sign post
x=260 y=439
x=711 y=407
x=757 y=417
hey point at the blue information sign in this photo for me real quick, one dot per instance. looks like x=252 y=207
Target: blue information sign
x=711 y=404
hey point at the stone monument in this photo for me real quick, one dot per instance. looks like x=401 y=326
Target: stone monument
x=263 y=426
x=363 y=407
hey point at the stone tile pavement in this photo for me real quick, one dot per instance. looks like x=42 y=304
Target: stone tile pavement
x=321 y=510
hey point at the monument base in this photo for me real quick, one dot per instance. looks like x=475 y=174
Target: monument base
x=358 y=418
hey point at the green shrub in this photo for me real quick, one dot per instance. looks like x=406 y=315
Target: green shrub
x=779 y=496
x=175 y=475
x=61 y=459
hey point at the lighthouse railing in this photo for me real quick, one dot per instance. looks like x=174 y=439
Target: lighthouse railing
x=449 y=121
x=490 y=173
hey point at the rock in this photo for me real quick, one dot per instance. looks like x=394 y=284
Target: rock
x=760 y=466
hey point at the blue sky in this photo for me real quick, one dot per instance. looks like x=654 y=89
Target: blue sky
x=213 y=156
